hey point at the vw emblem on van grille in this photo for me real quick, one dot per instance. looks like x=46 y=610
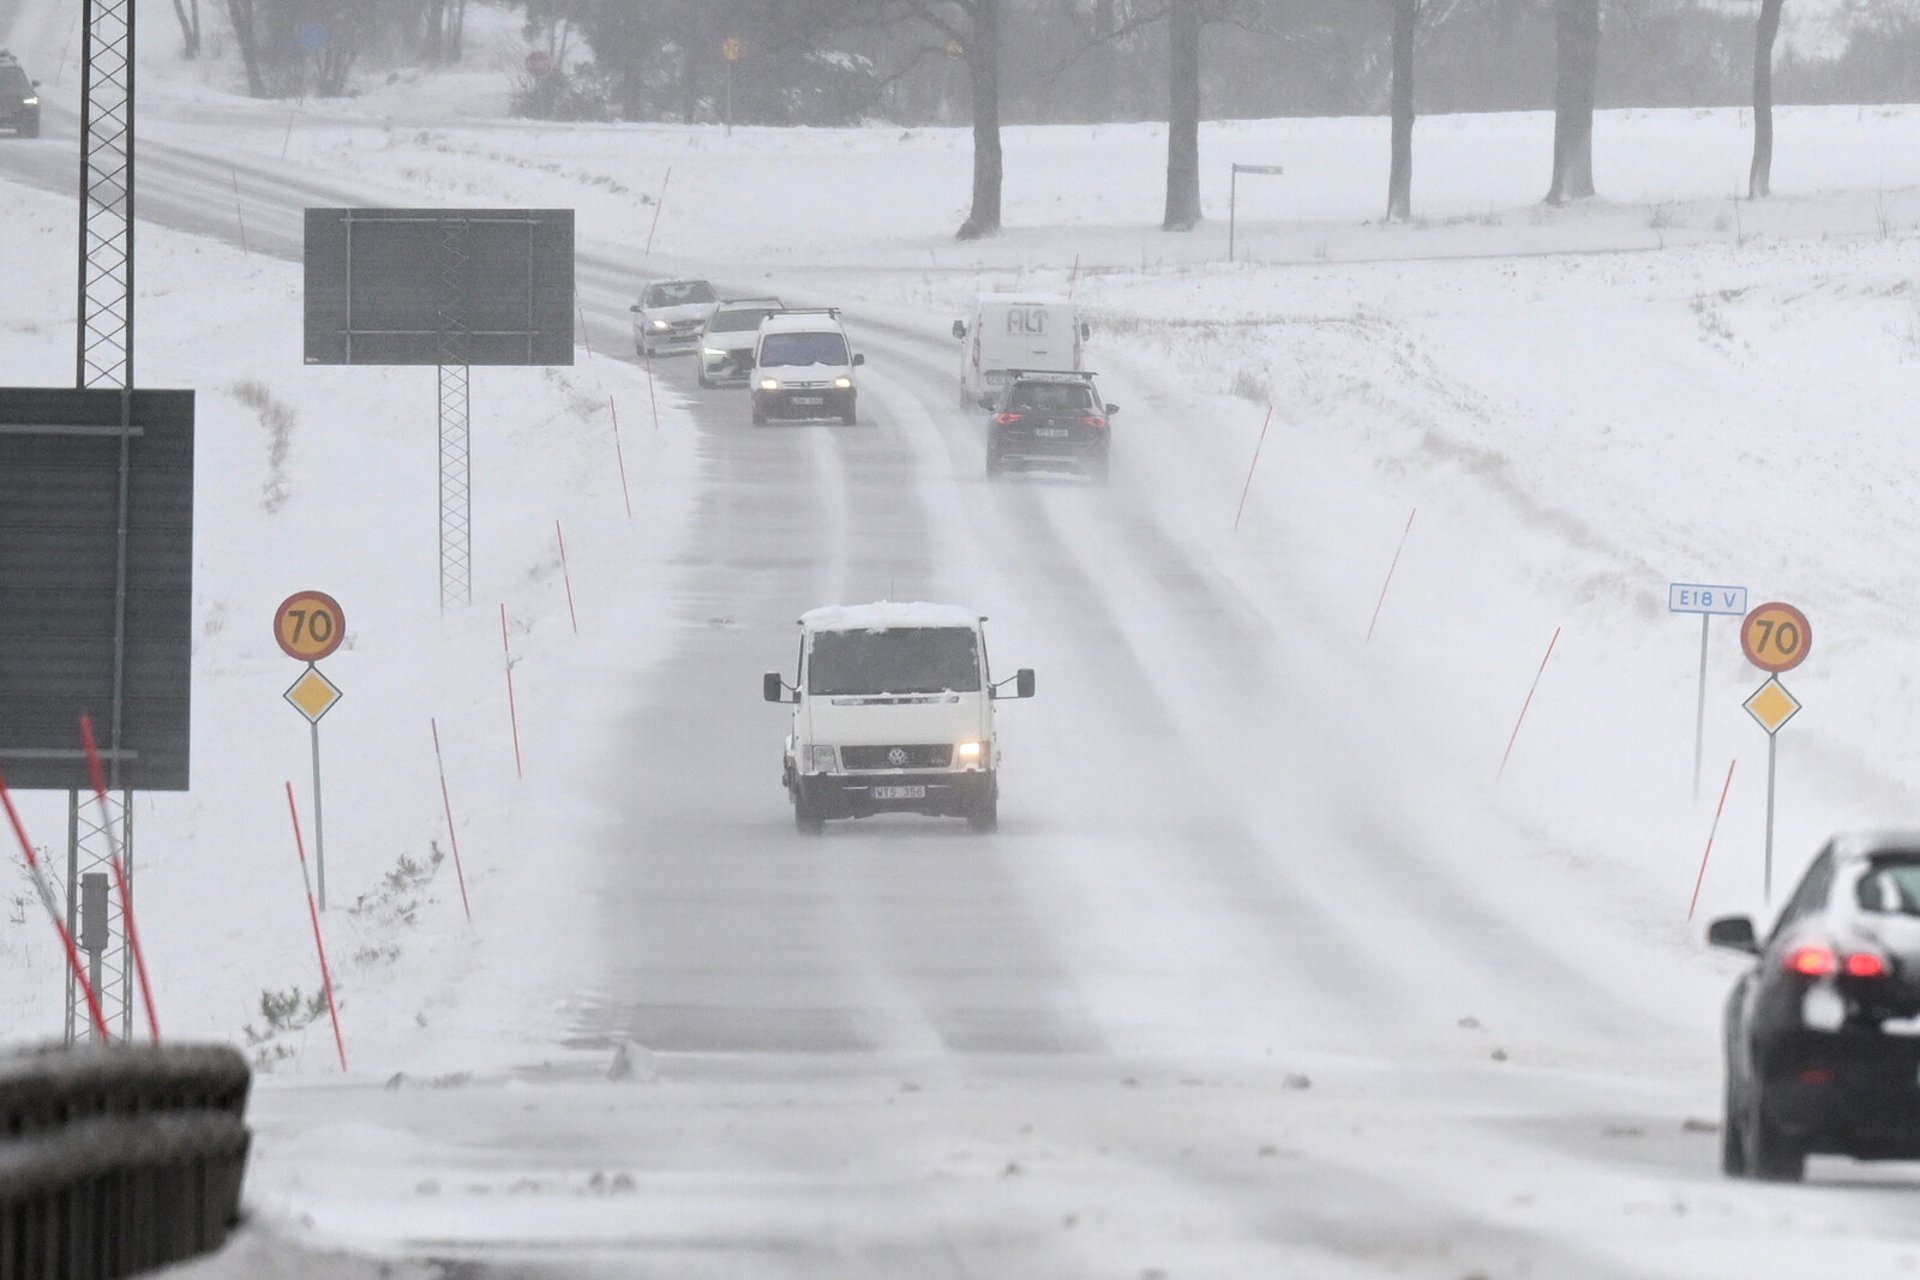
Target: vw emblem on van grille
x=897 y=757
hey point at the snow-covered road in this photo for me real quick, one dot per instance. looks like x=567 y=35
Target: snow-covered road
x=1256 y=978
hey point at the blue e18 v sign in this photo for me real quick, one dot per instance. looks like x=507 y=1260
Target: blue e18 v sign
x=1695 y=597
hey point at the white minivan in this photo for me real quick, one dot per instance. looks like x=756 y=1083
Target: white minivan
x=1016 y=331
x=893 y=712
x=803 y=367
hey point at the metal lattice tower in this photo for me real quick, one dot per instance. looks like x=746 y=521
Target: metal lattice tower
x=456 y=488
x=104 y=359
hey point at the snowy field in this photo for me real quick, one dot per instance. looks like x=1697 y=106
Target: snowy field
x=1272 y=970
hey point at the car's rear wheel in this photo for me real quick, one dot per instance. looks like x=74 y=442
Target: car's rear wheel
x=1733 y=1137
x=1771 y=1155
x=994 y=465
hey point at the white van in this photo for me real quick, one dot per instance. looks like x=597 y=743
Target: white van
x=1016 y=331
x=803 y=367
x=893 y=712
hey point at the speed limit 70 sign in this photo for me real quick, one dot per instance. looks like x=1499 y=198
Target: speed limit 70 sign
x=1776 y=637
x=309 y=625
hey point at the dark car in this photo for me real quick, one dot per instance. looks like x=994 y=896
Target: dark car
x=726 y=345
x=1050 y=418
x=1823 y=1033
x=19 y=98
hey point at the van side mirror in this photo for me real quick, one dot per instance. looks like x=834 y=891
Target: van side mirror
x=1023 y=683
x=1735 y=933
x=772 y=687
x=1086 y=331
x=859 y=360
x=959 y=328
x=635 y=308
x=1112 y=409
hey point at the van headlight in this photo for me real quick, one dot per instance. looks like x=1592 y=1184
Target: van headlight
x=712 y=351
x=30 y=102
x=821 y=760
x=970 y=752
x=769 y=384
x=843 y=384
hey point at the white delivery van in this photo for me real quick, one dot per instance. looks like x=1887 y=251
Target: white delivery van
x=893 y=709
x=803 y=367
x=1016 y=331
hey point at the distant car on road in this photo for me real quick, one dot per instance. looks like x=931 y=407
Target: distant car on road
x=1823 y=1032
x=726 y=344
x=1050 y=418
x=670 y=316
x=19 y=98
x=803 y=367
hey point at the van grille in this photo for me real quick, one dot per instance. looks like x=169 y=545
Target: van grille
x=935 y=756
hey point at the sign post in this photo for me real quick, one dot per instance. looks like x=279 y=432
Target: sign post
x=1233 y=195
x=1693 y=597
x=1775 y=637
x=730 y=50
x=309 y=626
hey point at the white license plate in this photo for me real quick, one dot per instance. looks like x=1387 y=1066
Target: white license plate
x=1052 y=433
x=900 y=793
x=809 y=399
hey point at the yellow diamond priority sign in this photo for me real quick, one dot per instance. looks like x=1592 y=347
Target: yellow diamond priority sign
x=313 y=695
x=1772 y=705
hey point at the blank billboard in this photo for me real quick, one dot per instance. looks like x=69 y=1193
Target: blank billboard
x=61 y=633
x=439 y=286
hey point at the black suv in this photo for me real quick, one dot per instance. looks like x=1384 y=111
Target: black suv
x=1050 y=418
x=19 y=98
x=1822 y=1054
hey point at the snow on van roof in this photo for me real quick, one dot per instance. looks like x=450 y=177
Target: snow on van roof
x=885 y=614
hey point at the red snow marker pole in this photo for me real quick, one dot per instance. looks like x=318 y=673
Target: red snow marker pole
x=53 y=914
x=1711 y=833
x=119 y=875
x=653 y=401
x=566 y=575
x=1390 y=568
x=452 y=834
x=620 y=455
x=513 y=712
x=1265 y=423
x=659 y=203
x=1529 y=702
x=313 y=913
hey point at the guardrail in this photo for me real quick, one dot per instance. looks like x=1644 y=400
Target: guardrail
x=120 y=1159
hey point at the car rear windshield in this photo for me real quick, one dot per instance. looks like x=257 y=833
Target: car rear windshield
x=1052 y=397
x=897 y=660
x=1891 y=887
x=734 y=321
x=679 y=293
x=802 y=348
x=14 y=81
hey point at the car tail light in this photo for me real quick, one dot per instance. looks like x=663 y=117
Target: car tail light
x=1813 y=961
x=1866 y=964
x=1101 y=423
x=1003 y=419
x=1816 y=1075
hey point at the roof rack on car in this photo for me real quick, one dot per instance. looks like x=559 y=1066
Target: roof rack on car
x=810 y=311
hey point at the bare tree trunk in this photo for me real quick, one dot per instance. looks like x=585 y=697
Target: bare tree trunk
x=1577 y=40
x=240 y=13
x=1760 y=178
x=983 y=61
x=1406 y=23
x=189 y=29
x=1183 y=116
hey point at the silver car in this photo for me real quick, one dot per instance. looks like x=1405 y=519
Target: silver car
x=726 y=345
x=670 y=316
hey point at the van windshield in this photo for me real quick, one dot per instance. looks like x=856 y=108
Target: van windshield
x=897 y=660
x=802 y=348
